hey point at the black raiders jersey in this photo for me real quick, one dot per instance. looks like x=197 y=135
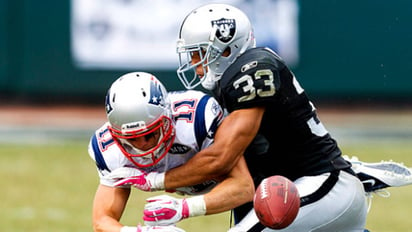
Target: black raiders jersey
x=291 y=140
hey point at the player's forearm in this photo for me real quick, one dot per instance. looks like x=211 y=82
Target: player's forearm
x=235 y=190
x=108 y=206
x=229 y=194
x=221 y=201
x=231 y=140
x=204 y=166
x=106 y=224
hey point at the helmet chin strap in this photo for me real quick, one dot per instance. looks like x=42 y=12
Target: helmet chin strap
x=209 y=81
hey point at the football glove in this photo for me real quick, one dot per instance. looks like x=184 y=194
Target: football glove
x=151 y=229
x=166 y=210
x=159 y=229
x=127 y=176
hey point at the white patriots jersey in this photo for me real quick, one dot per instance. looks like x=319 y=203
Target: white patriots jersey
x=196 y=117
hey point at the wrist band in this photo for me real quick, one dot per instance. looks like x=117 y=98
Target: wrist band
x=196 y=205
x=128 y=229
x=158 y=180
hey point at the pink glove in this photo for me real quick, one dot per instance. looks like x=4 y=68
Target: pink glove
x=127 y=176
x=165 y=210
x=159 y=229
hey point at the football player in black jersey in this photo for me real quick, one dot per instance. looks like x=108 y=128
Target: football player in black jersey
x=270 y=121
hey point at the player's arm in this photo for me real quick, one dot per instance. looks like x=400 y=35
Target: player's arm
x=233 y=191
x=236 y=189
x=231 y=140
x=108 y=206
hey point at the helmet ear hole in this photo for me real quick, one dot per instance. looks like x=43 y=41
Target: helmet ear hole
x=226 y=52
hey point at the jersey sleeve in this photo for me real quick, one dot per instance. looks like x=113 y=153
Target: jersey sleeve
x=202 y=113
x=97 y=155
x=213 y=116
x=105 y=153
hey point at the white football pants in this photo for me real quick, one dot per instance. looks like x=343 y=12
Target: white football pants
x=342 y=209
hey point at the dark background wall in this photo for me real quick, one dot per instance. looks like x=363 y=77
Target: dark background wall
x=358 y=49
x=350 y=51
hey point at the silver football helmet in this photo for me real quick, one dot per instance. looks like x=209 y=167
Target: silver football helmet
x=219 y=33
x=137 y=107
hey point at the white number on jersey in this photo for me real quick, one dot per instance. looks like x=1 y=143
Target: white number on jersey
x=247 y=84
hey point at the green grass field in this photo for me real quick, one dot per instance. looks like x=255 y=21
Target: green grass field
x=51 y=188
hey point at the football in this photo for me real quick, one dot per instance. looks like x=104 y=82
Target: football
x=276 y=202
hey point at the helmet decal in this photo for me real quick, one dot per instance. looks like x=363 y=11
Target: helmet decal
x=109 y=107
x=226 y=29
x=156 y=94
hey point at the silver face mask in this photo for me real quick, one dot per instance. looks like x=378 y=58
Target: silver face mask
x=208 y=54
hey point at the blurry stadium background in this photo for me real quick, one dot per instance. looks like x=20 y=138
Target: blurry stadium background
x=351 y=51
x=57 y=59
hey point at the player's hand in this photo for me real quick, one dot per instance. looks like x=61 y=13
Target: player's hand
x=165 y=210
x=127 y=176
x=159 y=229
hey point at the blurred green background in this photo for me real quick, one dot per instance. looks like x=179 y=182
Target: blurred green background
x=51 y=188
x=349 y=50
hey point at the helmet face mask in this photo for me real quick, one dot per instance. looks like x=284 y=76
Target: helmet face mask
x=222 y=32
x=207 y=54
x=163 y=133
x=137 y=110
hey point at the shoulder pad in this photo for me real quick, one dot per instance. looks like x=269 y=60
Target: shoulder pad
x=251 y=59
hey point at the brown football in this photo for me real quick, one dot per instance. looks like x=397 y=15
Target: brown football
x=276 y=202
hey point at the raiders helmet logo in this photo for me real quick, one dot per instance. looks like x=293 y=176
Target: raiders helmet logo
x=226 y=29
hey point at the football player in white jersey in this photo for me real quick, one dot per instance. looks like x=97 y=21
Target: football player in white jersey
x=149 y=130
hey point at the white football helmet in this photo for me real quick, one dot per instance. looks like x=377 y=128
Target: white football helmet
x=137 y=106
x=211 y=30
